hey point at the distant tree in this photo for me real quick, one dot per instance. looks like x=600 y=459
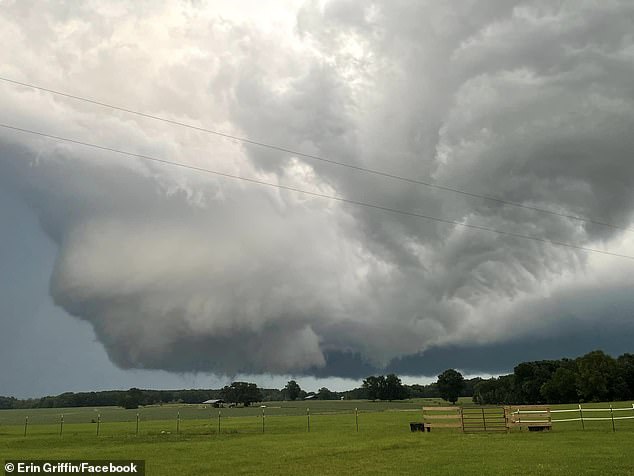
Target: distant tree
x=495 y=390
x=562 y=386
x=382 y=387
x=394 y=389
x=470 y=385
x=166 y=397
x=450 y=385
x=272 y=394
x=374 y=387
x=324 y=394
x=424 y=391
x=598 y=378
x=7 y=402
x=131 y=399
x=625 y=365
x=530 y=377
x=242 y=392
x=292 y=390
x=359 y=393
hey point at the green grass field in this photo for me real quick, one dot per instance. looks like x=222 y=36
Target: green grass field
x=383 y=444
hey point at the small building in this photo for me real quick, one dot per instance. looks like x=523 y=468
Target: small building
x=216 y=402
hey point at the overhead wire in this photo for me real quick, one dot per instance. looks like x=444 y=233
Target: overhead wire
x=359 y=168
x=314 y=194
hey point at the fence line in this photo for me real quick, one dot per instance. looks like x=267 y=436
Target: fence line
x=587 y=409
x=435 y=417
x=136 y=421
x=581 y=418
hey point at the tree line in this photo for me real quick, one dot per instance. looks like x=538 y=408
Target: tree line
x=593 y=377
x=111 y=398
x=243 y=393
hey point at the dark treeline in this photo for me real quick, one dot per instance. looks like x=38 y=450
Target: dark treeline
x=593 y=377
x=131 y=398
x=379 y=388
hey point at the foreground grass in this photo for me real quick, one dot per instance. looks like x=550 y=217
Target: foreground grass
x=383 y=445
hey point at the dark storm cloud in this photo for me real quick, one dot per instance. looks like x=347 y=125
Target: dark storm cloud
x=530 y=102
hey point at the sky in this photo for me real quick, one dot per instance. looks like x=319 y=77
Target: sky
x=118 y=271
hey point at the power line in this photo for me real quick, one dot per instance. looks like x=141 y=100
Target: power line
x=359 y=168
x=316 y=194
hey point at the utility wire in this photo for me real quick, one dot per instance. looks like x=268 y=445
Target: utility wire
x=316 y=194
x=380 y=173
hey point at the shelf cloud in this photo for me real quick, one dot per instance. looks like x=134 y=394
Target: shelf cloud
x=530 y=102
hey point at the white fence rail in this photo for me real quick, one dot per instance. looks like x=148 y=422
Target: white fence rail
x=580 y=410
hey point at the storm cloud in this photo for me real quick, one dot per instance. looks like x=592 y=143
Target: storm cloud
x=530 y=102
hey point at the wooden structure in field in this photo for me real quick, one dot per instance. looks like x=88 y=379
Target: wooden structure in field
x=484 y=419
x=442 y=417
x=533 y=417
x=472 y=419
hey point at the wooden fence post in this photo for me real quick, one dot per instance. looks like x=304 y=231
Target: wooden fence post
x=612 y=416
x=484 y=421
x=26 y=424
x=98 y=422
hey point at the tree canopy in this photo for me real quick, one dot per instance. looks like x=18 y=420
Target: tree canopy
x=382 y=387
x=292 y=390
x=593 y=377
x=450 y=385
x=242 y=392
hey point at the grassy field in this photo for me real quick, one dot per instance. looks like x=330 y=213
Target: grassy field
x=383 y=444
x=202 y=412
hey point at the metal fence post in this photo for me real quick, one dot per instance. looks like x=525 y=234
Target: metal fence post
x=583 y=426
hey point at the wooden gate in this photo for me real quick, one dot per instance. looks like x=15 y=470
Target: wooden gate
x=484 y=419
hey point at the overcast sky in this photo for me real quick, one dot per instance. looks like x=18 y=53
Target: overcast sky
x=120 y=272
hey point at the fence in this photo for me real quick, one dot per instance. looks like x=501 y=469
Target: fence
x=220 y=421
x=484 y=419
x=583 y=419
x=442 y=417
x=535 y=418
x=534 y=412
x=467 y=419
